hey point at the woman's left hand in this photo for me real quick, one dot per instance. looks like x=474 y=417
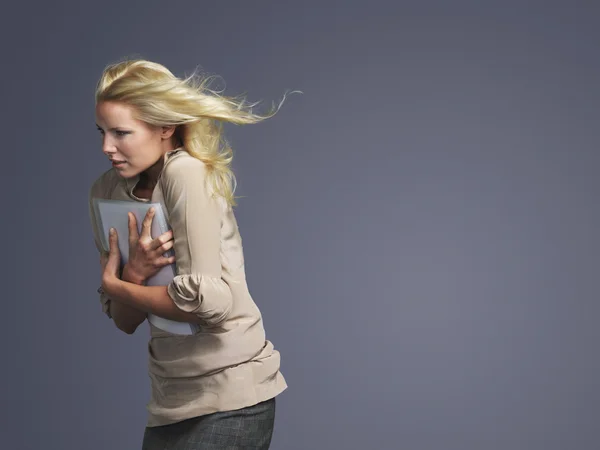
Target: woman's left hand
x=111 y=262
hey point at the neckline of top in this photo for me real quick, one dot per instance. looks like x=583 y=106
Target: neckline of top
x=132 y=182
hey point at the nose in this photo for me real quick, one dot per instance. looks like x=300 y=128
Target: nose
x=107 y=148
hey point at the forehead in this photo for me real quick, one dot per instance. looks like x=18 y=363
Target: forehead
x=114 y=113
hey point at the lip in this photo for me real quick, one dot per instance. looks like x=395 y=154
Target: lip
x=116 y=163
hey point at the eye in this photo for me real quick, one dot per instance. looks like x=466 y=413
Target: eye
x=100 y=130
x=121 y=133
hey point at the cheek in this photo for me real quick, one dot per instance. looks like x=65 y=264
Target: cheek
x=140 y=150
x=132 y=149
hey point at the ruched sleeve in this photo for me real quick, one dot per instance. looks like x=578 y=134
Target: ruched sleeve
x=95 y=192
x=195 y=217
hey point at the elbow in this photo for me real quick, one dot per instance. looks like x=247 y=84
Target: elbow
x=126 y=322
x=127 y=328
x=210 y=300
x=215 y=317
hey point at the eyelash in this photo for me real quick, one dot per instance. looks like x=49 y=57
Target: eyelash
x=119 y=132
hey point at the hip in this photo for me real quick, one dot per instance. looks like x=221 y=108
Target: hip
x=245 y=428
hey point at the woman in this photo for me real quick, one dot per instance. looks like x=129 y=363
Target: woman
x=215 y=389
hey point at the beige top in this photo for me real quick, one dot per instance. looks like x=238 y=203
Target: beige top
x=228 y=364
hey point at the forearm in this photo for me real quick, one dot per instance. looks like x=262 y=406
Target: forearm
x=148 y=300
x=126 y=317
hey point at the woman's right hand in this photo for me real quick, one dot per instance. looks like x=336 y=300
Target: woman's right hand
x=146 y=254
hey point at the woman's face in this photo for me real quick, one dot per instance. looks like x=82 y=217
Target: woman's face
x=127 y=139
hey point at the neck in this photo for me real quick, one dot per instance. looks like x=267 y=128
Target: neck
x=149 y=177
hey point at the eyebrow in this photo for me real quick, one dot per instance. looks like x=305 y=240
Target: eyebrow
x=111 y=129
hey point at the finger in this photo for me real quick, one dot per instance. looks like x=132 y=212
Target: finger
x=162 y=240
x=166 y=246
x=164 y=261
x=147 y=223
x=113 y=242
x=133 y=229
x=166 y=236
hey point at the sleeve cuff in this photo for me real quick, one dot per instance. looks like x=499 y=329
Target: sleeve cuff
x=208 y=297
x=105 y=302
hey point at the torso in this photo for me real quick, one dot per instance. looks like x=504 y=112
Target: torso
x=222 y=369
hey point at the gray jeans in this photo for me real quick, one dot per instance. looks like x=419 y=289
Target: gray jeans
x=243 y=429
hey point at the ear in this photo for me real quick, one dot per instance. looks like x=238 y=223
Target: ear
x=167 y=132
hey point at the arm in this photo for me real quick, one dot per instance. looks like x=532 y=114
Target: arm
x=196 y=218
x=198 y=294
x=126 y=317
x=147 y=299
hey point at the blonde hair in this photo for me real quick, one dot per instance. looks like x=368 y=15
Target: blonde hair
x=159 y=98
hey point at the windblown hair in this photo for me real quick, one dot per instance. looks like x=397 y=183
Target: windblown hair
x=159 y=98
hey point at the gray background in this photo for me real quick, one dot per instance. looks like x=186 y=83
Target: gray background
x=420 y=226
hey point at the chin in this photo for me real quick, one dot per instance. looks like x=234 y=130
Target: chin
x=125 y=173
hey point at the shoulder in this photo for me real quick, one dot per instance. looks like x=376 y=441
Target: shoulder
x=104 y=184
x=183 y=164
x=182 y=171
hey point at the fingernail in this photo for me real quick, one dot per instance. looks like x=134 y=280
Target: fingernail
x=112 y=231
x=152 y=209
